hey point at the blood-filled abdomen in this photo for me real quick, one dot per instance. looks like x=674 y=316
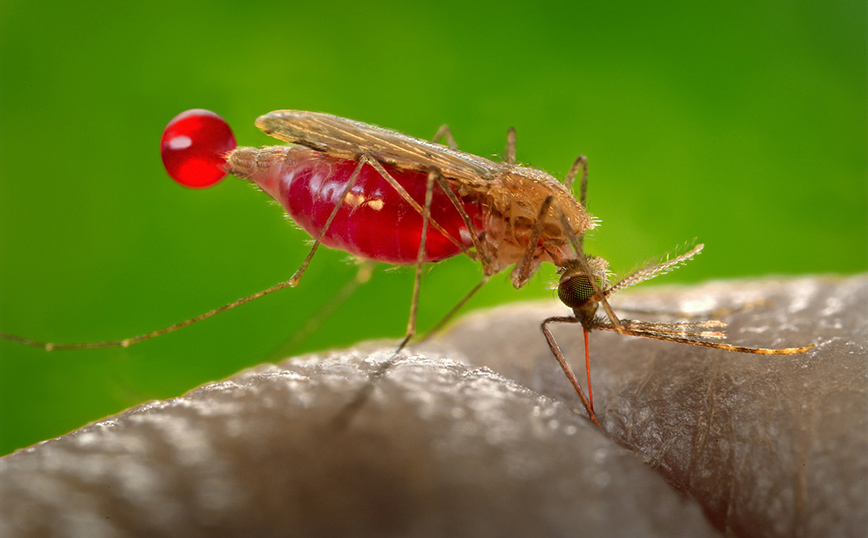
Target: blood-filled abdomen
x=374 y=220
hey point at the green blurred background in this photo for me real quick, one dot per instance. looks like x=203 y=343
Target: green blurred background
x=742 y=124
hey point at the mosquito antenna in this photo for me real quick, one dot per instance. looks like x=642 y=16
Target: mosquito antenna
x=652 y=270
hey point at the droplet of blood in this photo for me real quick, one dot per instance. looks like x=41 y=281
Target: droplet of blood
x=194 y=147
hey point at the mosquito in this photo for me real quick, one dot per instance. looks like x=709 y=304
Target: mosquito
x=388 y=197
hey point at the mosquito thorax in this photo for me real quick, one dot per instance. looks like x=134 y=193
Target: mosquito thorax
x=194 y=147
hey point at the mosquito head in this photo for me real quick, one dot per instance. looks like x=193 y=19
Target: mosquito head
x=575 y=289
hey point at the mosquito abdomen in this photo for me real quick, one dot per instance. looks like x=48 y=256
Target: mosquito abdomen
x=374 y=221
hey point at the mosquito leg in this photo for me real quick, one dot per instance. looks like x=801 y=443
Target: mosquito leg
x=355 y=175
x=326 y=310
x=556 y=350
x=126 y=342
x=522 y=270
x=445 y=133
x=474 y=235
x=409 y=199
x=509 y=154
x=455 y=309
x=581 y=164
x=477 y=245
x=689 y=333
x=346 y=414
x=420 y=257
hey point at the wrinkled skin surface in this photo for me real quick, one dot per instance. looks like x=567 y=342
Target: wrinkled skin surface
x=473 y=435
x=769 y=445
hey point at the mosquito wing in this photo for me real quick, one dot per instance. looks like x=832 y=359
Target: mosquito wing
x=349 y=139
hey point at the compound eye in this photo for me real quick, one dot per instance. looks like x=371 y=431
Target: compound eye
x=576 y=290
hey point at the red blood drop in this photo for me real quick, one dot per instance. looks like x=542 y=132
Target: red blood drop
x=194 y=147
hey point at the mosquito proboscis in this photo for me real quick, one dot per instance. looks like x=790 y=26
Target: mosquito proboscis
x=385 y=196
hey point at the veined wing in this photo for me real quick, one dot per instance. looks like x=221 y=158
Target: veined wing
x=349 y=139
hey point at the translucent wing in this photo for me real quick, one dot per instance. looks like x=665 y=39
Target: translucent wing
x=349 y=139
